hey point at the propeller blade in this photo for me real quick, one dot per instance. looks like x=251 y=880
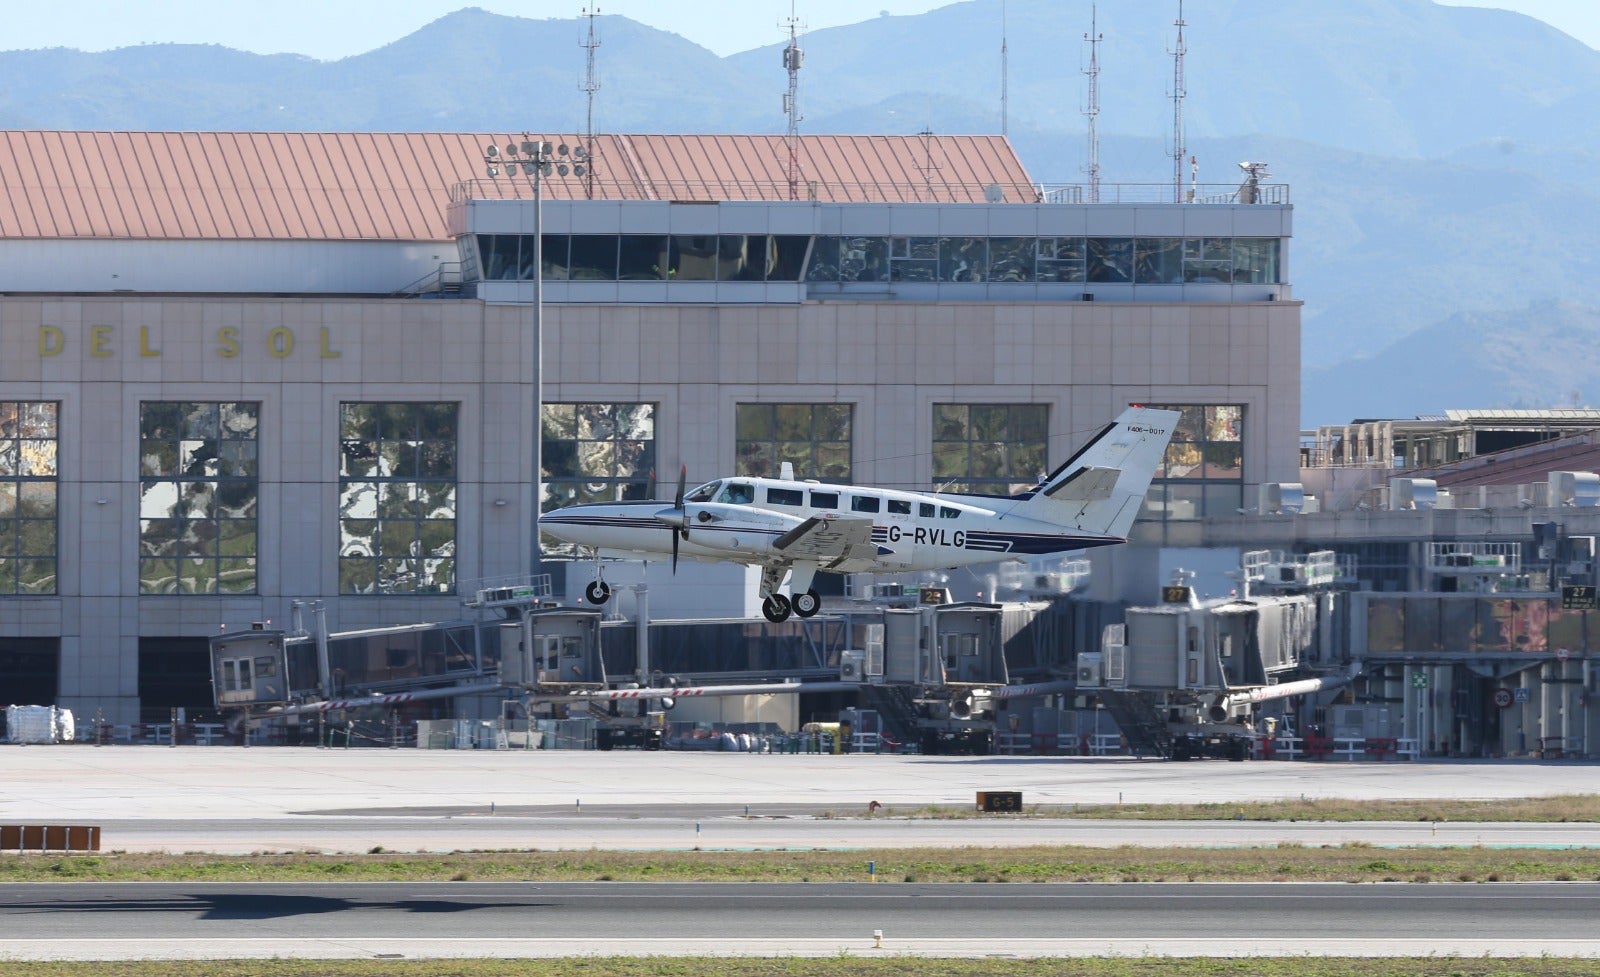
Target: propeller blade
x=674 y=550
x=683 y=478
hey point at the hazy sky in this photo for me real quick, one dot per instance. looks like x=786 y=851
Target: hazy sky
x=331 y=29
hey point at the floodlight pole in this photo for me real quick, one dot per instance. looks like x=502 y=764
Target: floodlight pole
x=537 y=158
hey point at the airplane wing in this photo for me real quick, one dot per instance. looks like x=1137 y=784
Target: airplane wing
x=828 y=541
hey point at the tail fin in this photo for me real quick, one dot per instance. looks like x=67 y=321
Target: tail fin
x=1101 y=488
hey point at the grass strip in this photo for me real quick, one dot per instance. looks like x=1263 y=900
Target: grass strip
x=1546 y=810
x=1355 y=862
x=837 y=966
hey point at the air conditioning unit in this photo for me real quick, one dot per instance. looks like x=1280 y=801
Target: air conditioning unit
x=1413 y=493
x=1280 y=498
x=852 y=666
x=1090 y=670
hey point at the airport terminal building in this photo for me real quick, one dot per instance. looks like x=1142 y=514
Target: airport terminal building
x=243 y=370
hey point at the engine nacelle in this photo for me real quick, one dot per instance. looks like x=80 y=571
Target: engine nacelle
x=735 y=528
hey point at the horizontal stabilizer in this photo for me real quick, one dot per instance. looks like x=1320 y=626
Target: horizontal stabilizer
x=1085 y=485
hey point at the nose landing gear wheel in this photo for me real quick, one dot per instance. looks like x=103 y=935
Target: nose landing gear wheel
x=776 y=608
x=807 y=604
x=598 y=592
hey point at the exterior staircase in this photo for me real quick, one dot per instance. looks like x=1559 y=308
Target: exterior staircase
x=896 y=709
x=1140 y=721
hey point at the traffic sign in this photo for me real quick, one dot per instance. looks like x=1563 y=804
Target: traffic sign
x=1419 y=680
x=1502 y=698
x=1521 y=695
x=1575 y=598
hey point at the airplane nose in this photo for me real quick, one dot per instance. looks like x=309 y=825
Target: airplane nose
x=673 y=517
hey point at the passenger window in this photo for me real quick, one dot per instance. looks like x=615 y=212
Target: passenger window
x=945 y=512
x=824 y=500
x=777 y=496
x=864 y=503
x=900 y=507
x=925 y=510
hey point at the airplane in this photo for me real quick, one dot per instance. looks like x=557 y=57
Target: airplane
x=801 y=528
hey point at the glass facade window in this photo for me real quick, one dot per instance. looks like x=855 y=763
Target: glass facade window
x=1203 y=472
x=199 y=484
x=815 y=438
x=989 y=449
x=29 y=439
x=595 y=453
x=397 y=498
x=784 y=258
x=1140 y=261
x=594 y=257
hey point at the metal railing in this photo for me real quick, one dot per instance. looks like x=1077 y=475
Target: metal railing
x=834 y=191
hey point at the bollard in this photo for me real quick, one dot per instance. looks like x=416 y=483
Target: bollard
x=872 y=871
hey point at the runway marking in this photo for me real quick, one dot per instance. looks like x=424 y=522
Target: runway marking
x=356 y=948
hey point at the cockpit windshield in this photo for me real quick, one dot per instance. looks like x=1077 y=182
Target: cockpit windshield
x=738 y=493
x=704 y=493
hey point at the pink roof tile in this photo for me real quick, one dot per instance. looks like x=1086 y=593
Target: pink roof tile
x=397 y=186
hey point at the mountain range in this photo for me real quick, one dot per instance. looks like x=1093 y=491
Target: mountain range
x=1441 y=159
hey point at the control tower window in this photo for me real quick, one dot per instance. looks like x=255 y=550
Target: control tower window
x=198 y=490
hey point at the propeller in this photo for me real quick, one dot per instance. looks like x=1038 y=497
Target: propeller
x=676 y=518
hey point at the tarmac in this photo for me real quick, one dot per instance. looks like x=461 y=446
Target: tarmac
x=246 y=799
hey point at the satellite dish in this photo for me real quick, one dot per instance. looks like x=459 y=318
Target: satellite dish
x=993 y=194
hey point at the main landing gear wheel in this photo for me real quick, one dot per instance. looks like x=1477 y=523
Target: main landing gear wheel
x=598 y=592
x=807 y=604
x=776 y=608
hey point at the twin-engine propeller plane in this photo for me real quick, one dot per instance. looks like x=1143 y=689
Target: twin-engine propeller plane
x=800 y=528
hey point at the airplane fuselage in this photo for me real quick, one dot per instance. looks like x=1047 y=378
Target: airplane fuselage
x=910 y=531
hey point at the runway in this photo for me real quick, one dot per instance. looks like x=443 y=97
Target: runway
x=215 y=799
x=525 y=919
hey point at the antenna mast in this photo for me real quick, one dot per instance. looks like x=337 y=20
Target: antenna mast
x=1005 y=75
x=591 y=85
x=792 y=59
x=1092 y=111
x=1178 y=150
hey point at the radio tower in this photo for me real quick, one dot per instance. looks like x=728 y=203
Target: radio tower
x=1092 y=110
x=591 y=85
x=791 y=102
x=1178 y=150
x=1004 y=73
